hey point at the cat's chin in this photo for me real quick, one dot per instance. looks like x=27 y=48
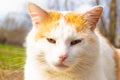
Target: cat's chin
x=60 y=67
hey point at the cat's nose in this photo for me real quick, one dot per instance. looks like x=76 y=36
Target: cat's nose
x=63 y=57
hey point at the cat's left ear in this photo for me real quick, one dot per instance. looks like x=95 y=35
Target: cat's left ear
x=93 y=15
x=37 y=14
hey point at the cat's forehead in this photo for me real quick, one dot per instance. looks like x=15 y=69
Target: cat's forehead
x=76 y=19
x=63 y=30
x=72 y=18
x=62 y=22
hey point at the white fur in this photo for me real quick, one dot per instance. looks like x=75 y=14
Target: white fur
x=86 y=60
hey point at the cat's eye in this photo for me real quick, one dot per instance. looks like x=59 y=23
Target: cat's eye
x=50 y=40
x=75 y=42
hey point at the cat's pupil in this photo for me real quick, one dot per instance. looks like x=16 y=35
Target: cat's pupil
x=75 y=42
x=50 y=40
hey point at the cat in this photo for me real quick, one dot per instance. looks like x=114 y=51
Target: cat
x=67 y=46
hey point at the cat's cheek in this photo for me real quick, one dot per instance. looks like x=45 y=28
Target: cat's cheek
x=75 y=53
x=76 y=50
x=50 y=58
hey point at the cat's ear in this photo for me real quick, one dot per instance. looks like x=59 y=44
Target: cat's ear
x=37 y=14
x=93 y=15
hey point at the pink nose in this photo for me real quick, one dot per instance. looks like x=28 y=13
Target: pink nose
x=63 y=57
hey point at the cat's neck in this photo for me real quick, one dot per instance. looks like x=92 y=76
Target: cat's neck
x=107 y=56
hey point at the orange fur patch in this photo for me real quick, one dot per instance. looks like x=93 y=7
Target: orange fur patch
x=77 y=20
x=51 y=22
x=48 y=24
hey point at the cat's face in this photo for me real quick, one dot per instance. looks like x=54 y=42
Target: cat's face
x=63 y=40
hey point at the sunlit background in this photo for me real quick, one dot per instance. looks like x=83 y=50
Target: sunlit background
x=15 y=23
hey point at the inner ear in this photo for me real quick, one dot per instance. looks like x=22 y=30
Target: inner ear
x=37 y=14
x=93 y=15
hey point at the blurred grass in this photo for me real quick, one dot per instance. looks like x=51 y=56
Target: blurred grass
x=11 y=57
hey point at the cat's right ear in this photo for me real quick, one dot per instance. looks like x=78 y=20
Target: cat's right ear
x=37 y=14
